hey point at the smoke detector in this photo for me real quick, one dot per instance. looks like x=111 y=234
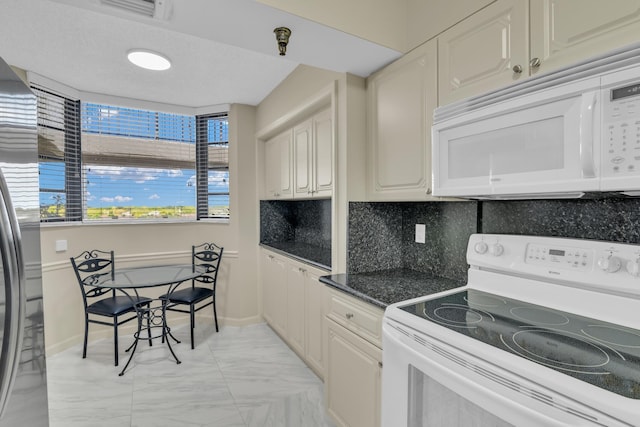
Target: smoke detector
x=158 y=9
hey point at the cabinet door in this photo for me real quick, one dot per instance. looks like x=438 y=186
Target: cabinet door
x=274 y=292
x=566 y=31
x=314 y=315
x=277 y=167
x=302 y=165
x=323 y=154
x=295 y=307
x=480 y=53
x=353 y=379
x=401 y=102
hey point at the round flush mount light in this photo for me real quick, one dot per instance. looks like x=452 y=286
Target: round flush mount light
x=148 y=59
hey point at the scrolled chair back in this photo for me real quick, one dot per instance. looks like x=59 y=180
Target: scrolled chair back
x=208 y=255
x=90 y=267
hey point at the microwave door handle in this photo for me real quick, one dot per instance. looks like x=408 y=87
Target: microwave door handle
x=14 y=277
x=587 y=121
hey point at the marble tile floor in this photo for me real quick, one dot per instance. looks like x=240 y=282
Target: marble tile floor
x=241 y=376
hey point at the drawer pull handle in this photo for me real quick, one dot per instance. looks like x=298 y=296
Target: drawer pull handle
x=349 y=315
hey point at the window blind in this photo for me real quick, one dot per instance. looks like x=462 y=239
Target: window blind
x=59 y=160
x=137 y=164
x=212 y=157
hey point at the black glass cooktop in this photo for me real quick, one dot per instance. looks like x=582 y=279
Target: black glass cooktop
x=603 y=354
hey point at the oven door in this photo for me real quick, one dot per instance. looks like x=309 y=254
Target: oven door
x=427 y=382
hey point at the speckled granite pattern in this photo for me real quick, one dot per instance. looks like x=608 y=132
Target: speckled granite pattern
x=449 y=225
x=375 y=237
x=382 y=237
x=610 y=219
x=298 y=228
x=314 y=255
x=382 y=288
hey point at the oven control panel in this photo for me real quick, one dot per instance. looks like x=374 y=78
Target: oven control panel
x=585 y=263
x=559 y=256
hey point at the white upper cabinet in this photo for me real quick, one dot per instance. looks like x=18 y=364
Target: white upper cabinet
x=483 y=52
x=298 y=163
x=323 y=154
x=313 y=151
x=302 y=164
x=566 y=31
x=510 y=40
x=277 y=167
x=402 y=97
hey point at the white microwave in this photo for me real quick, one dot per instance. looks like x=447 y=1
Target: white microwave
x=559 y=135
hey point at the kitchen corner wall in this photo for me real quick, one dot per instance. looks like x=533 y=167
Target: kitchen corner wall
x=306 y=221
x=382 y=235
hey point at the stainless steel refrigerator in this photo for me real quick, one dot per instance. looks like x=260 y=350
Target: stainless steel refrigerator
x=23 y=377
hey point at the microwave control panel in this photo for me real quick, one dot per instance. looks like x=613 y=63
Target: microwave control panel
x=621 y=130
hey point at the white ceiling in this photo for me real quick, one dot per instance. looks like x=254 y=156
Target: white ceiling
x=223 y=51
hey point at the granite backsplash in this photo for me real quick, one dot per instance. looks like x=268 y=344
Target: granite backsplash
x=382 y=235
x=303 y=227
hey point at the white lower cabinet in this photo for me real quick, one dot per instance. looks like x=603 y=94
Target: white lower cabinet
x=354 y=361
x=274 y=291
x=294 y=305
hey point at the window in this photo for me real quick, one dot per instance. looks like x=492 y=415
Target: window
x=59 y=157
x=213 y=166
x=124 y=163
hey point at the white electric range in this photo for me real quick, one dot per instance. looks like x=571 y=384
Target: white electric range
x=545 y=333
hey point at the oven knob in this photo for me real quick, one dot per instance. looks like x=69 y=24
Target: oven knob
x=480 y=247
x=633 y=267
x=496 y=249
x=610 y=264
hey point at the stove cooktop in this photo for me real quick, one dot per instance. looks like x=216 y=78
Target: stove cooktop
x=600 y=353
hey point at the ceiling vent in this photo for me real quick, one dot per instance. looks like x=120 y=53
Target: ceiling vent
x=158 y=9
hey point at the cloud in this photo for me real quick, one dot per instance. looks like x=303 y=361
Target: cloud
x=116 y=199
x=174 y=172
x=154 y=196
x=115 y=173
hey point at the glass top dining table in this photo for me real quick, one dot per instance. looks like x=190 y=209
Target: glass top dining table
x=129 y=280
x=149 y=276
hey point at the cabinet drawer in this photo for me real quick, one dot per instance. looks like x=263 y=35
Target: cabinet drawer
x=361 y=318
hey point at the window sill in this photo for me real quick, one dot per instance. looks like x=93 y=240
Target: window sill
x=131 y=222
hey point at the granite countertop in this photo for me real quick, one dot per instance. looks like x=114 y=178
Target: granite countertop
x=382 y=288
x=314 y=255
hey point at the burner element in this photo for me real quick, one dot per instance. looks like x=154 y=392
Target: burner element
x=539 y=316
x=484 y=300
x=613 y=335
x=457 y=315
x=560 y=350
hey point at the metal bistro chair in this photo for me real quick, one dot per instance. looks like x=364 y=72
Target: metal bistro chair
x=208 y=255
x=89 y=266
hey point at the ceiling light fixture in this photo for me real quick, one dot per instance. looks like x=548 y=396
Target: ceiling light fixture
x=148 y=59
x=282 y=36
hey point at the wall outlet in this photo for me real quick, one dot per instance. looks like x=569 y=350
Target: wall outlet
x=421 y=233
x=61 y=245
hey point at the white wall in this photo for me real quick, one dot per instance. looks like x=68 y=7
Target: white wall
x=380 y=21
x=402 y=25
x=428 y=18
x=148 y=244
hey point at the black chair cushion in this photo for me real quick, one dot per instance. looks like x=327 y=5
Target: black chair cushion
x=115 y=306
x=189 y=295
